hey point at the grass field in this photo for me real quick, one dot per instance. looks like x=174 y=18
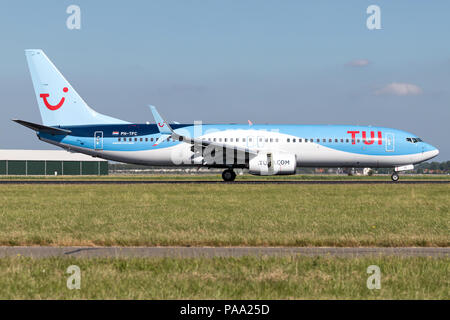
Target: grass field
x=225 y=215
x=225 y=278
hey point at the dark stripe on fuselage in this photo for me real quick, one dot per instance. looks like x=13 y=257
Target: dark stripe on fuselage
x=140 y=129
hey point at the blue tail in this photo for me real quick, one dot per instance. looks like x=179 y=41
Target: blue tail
x=59 y=103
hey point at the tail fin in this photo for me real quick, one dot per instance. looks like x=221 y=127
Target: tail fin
x=59 y=103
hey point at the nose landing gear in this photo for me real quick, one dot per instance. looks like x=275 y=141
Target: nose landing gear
x=228 y=175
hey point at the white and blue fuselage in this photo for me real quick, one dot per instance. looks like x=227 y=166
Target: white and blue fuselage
x=312 y=145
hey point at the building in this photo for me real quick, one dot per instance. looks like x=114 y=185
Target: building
x=50 y=162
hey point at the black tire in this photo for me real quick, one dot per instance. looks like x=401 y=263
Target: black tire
x=395 y=177
x=228 y=175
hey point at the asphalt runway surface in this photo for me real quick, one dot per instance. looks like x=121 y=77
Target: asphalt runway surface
x=222 y=182
x=208 y=252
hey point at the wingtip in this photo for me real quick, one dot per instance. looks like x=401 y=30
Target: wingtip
x=33 y=51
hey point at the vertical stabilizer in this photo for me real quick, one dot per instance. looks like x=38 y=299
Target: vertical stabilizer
x=59 y=103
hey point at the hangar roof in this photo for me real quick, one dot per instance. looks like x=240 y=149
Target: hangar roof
x=55 y=155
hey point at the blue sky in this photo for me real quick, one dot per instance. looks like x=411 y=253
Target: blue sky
x=305 y=62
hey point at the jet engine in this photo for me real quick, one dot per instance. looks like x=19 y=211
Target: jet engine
x=268 y=164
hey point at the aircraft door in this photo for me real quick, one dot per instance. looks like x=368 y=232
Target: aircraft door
x=98 y=140
x=390 y=142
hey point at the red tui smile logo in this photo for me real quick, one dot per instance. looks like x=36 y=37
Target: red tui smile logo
x=44 y=97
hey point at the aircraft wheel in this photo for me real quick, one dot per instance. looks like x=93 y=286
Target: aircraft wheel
x=228 y=175
x=395 y=177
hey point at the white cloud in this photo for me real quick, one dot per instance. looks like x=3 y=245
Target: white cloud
x=358 y=63
x=400 y=89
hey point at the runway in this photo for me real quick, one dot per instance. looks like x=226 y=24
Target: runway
x=209 y=252
x=356 y=182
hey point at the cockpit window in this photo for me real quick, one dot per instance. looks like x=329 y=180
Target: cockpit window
x=413 y=140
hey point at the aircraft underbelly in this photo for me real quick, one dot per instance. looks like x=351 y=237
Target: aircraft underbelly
x=180 y=154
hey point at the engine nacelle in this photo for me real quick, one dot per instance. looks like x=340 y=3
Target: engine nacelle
x=277 y=163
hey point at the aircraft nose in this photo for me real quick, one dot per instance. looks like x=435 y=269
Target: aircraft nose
x=435 y=152
x=431 y=151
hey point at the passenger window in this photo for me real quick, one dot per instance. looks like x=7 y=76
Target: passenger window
x=293 y=140
x=299 y=140
x=140 y=139
x=318 y=140
x=342 y=140
x=324 y=140
x=288 y=140
x=231 y=139
x=237 y=139
x=335 y=140
x=330 y=140
x=346 y=140
x=225 y=140
x=214 y=139
x=271 y=139
x=118 y=139
x=220 y=139
x=276 y=140
x=129 y=139
x=358 y=140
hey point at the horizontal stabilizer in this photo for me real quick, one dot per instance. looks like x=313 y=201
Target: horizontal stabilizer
x=42 y=128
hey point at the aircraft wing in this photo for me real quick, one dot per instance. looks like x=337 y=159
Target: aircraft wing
x=42 y=128
x=166 y=130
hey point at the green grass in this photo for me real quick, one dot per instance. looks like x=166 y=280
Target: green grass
x=225 y=278
x=217 y=177
x=225 y=215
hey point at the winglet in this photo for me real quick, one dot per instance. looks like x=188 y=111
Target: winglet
x=162 y=138
x=163 y=126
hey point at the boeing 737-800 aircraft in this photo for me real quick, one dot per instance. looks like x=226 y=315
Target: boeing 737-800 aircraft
x=68 y=122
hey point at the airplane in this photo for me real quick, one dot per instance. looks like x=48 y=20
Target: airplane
x=68 y=122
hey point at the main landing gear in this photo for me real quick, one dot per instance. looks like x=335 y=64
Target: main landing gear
x=395 y=176
x=228 y=175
